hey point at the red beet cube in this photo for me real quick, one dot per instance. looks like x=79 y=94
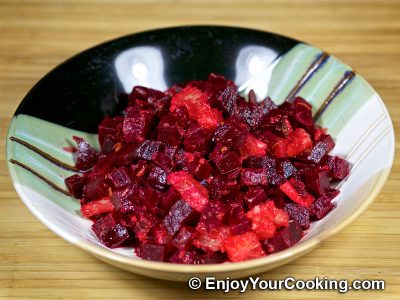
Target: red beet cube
x=285 y=238
x=190 y=257
x=321 y=207
x=119 y=178
x=229 y=135
x=298 y=213
x=197 y=139
x=121 y=200
x=228 y=162
x=75 y=185
x=137 y=126
x=338 y=167
x=147 y=149
x=171 y=127
x=250 y=176
x=321 y=148
x=95 y=188
x=157 y=178
x=86 y=156
x=286 y=167
x=181 y=213
x=152 y=252
x=184 y=238
x=109 y=127
x=223 y=188
x=302 y=112
x=317 y=181
x=213 y=215
x=109 y=232
x=254 y=196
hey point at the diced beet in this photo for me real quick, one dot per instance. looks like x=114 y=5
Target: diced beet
x=197 y=139
x=229 y=135
x=170 y=197
x=200 y=168
x=95 y=188
x=119 y=178
x=249 y=113
x=165 y=159
x=121 y=200
x=287 y=168
x=223 y=188
x=317 y=181
x=184 y=238
x=86 y=156
x=75 y=185
x=180 y=214
x=285 y=238
x=171 y=127
x=332 y=194
x=338 y=168
x=152 y=252
x=214 y=258
x=157 y=178
x=136 y=127
x=97 y=207
x=109 y=232
x=250 y=176
x=302 y=112
x=298 y=213
x=191 y=190
x=213 y=215
x=190 y=257
x=108 y=143
x=227 y=162
x=147 y=149
x=321 y=207
x=321 y=148
x=254 y=196
x=159 y=235
x=144 y=93
x=267 y=105
x=143 y=222
x=243 y=247
x=109 y=127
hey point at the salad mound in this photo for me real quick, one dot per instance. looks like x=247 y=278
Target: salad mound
x=197 y=174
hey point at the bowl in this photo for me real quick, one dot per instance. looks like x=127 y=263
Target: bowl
x=74 y=97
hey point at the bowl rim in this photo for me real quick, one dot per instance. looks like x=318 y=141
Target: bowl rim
x=292 y=252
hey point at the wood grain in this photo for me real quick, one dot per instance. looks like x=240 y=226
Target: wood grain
x=35 y=36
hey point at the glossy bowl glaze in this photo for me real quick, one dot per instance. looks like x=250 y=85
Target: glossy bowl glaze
x=74 y=97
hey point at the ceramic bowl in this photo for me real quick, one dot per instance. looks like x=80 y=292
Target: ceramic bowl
x=76 y=95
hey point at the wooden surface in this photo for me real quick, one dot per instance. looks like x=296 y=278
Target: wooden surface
x=35 y=36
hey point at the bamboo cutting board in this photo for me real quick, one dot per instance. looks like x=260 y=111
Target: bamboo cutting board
x=37 y=35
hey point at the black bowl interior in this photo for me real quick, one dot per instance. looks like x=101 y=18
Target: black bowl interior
x=85 y=88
